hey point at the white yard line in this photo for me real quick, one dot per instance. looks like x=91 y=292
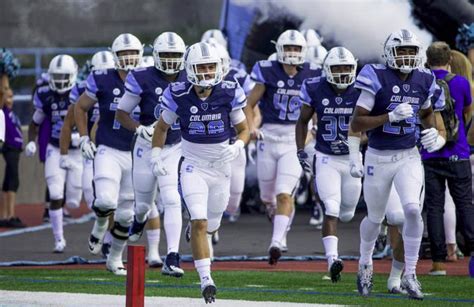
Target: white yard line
x=22 y=298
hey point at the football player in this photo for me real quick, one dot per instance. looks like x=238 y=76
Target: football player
x=52 y=102
x=221 y=39
x=208 y=110
x=277 y=88
x=393 y=94
x=333 y=99
x=144 y=87
x=113 y=161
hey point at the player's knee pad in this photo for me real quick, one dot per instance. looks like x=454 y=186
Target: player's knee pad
x=412 y=210
x=119 y=231
x=197 y=206
x=124 y=216
x=375 y=217
x=101 y=212
x=395 y=218
x=73 y=203
x=105 y=201
x=332 y=207
x=346 y=213
x=170 y=198
x=213 y=222
x=56 y=189
x=153 y=212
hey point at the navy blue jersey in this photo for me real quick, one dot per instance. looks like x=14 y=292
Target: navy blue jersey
x=280 y=104
x=334 y=112
x=204 y=121
x=93 y=112
x=106 y=87
x=149 y=84
x=390 y=91
x=54 y=106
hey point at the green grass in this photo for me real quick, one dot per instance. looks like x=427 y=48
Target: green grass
x=243 y=285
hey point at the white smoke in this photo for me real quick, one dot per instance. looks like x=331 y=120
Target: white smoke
x=359 y=25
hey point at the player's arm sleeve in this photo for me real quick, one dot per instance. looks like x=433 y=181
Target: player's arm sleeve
x=240 y=100
x=367 y=80
x=248 y=84
x=91 y=87
x=366 y=100
x=38 y=116
x=304 y=96
x=74 y=94
x=438 y=99
x=167 y=101
x=237 y=116
x=256 y=74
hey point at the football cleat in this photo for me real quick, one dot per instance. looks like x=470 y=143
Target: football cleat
x=335 y=270
x=95 y=245
x=59 y=246
x=116 y=267
x=274 y=253
x=208 y=290
x=136 y=230
x=171 y=266
x=412 y=286
x=394 y=286
x=155 y=263
x=364 y=280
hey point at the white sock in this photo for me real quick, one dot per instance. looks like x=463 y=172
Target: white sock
x=280 y=224
x=412 y=234
x=100 y=226
x=369 y=232
x=56 y=219
x=153 y=236
x=116 y=250
x=330 y=246
x=173 y=223
x=203 y=267
x=397 y=269
x=108 y=237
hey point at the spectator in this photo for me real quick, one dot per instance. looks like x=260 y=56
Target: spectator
x=11 y=153
x=449 y=165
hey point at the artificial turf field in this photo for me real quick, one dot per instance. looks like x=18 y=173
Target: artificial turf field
x=243 y=285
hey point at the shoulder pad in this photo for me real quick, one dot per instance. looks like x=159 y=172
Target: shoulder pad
x=178 y=86
x=314 y=66
x=378 y=66
x=228 y=84
x=43 y=89
x=99 y=72
x=265 y=63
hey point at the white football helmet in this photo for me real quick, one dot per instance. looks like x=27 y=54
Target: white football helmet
x=272 y=57
x=291 y=38
x=224 y=55
x=62 y=73
x=203 y=53
x=338 y=56
x=402 y=38
x=127 y=42
x=316 y=55
x=312 y=37
x=169 y=42
x=102 y=60
x=147 y=61
x=215 y=34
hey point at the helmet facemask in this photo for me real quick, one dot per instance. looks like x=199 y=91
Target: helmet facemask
x=127 y=59
x=342 y=76
x=291 y=54
x=404 y=58
x=169 y=63
x=206 y=75
x=62 y=82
